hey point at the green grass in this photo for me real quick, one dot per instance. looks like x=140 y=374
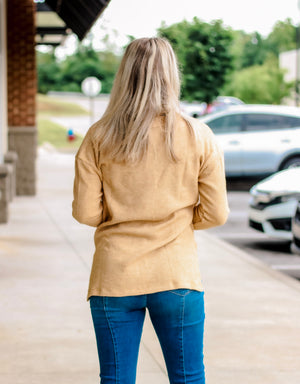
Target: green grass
x=50 y=106
x=56 y=135
x=51 y=132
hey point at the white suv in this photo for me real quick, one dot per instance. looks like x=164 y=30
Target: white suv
x=273 y=203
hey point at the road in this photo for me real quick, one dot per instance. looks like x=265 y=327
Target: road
x=273 y=252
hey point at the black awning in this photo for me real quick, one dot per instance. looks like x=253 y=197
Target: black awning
x=50 y=28
x=79 y=15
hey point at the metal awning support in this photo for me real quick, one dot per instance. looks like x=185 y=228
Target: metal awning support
x=58 y=18
x=79 y=15
x=50 y=28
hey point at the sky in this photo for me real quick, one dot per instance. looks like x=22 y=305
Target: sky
x=141 y=18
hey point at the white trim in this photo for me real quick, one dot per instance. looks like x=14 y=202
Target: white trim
x=3 y=82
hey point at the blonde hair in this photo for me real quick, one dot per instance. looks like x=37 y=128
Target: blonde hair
x=146 y=85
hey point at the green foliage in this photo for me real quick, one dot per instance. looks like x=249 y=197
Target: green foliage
x=69 y=74
x=51 y=132
x=237 y=46
x=257 y=77
x=203 y=53
x=109 y=64
x=259 y=84
x=56 y=135
x=177 y=34
x=212 y=59
x=254 y=51
x=80 y=65
x=282 y=38
x=48 y=71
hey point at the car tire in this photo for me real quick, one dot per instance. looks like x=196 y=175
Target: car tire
x=293 y=162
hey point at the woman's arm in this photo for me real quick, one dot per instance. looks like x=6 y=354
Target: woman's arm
x=213 y=207
x=87 y=204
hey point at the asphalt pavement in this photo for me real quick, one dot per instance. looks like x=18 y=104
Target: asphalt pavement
x=272 y=251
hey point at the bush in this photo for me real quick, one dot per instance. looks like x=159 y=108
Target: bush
x=259 y=84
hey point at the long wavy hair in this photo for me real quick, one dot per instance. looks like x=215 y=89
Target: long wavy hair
x=146 y=85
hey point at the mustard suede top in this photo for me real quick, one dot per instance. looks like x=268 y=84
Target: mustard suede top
x=146 y=213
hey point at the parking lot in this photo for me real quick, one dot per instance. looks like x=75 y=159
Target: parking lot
x=274 y=252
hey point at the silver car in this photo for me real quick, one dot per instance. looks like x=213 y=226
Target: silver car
x=257 y=140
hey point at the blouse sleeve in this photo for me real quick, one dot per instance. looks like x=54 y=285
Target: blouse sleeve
x=212 y=209
x=87 y=206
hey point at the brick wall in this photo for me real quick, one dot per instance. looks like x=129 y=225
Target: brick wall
x=21 y=69
x=21 y=90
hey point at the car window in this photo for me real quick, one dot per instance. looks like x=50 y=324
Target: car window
x=291 y=122
x=226 y=124
x=264 y=122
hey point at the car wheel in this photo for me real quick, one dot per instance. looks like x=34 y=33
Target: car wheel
x=291 y=163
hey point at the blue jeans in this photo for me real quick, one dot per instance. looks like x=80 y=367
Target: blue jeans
x=178 y=320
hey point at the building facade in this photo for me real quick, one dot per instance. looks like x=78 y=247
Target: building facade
x=18 y=84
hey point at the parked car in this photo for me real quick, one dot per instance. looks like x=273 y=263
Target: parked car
x=221 y=103
x=273 y=203
x=194 y=109
x=295 y=246
x=257 y=140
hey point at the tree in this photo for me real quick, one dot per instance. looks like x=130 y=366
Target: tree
x=237 y=47
x=68 y=74
x=254 y=50
x=283 y=37
x=75 y=68
x=259 y=84
x=203 y=53
x=109 y=64
x=48 y=70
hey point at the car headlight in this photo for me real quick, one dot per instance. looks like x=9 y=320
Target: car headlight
x=261 y=197
x=273 y=197
x=287 y=197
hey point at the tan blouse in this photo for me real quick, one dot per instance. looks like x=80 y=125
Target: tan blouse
x=146 y=213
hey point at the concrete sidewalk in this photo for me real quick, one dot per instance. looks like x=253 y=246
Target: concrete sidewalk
x=252 y=331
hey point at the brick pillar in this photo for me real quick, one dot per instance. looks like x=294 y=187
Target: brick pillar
x=21 y=91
